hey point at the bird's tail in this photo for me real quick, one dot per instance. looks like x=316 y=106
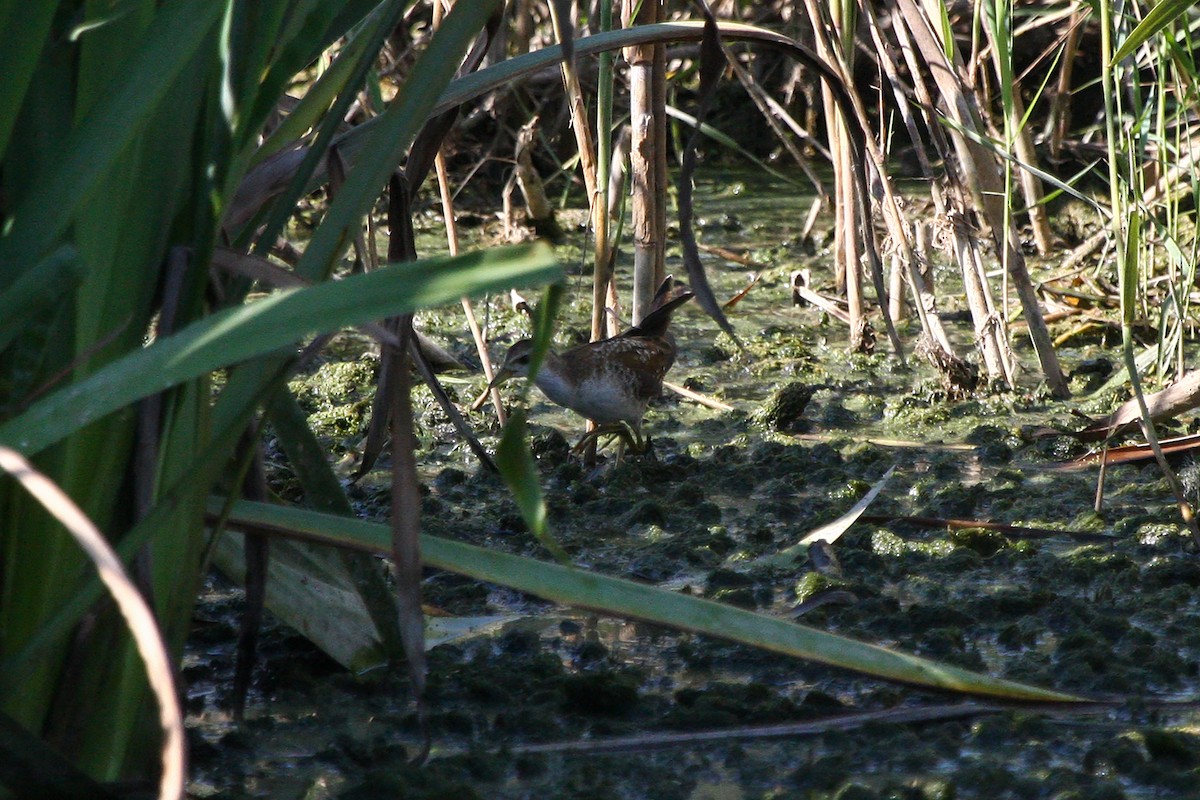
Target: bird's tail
x=670 y=295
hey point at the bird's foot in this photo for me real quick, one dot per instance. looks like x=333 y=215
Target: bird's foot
x=623 y=434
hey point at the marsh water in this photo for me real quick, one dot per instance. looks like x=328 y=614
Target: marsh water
x=1105 y=606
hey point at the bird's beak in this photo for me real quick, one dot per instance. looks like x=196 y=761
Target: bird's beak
x=502 y=374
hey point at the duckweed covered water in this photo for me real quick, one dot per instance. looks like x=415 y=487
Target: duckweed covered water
x=813 y=428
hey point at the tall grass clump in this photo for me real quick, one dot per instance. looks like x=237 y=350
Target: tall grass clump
x=132 y=150
x=1150 y=100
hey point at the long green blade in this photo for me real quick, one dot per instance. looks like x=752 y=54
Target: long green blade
x=21 y=43
x=176 y=35
x=520 y=474
x=238 y=334
x=385 y=146
x=1156 y=19
x=37 y=291
x=625 y=598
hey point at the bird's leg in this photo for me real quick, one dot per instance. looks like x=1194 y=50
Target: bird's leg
x=648 y=450
x=593 y=436
x=623 y=433
x=588 y=437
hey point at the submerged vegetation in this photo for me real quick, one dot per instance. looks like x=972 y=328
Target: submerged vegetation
x=224 y=278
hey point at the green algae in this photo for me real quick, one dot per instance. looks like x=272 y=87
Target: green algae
x=337 y=397
x=813 y=428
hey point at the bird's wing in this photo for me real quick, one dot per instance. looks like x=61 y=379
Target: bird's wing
x=646 y=359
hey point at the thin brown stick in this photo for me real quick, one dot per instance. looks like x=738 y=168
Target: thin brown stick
x=730 y=255
x=1098 y=503
x=406 y=524
x=839 y=722
x=830 y=307
x=1014 y=531
x=452 y=242
x=696 y=397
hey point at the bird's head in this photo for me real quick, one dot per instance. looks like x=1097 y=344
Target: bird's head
x=516 y=362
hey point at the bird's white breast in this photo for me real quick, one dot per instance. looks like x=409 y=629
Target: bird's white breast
x=594 y=399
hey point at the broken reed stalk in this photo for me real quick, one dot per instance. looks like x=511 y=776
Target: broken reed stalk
x=539 y=211
x=912 y=254
x=991 y=335
x=853 y=108
x=990 y=328
x=992 y=340
x=843 y=19
x=647 y=155
x=980 y=173
x=958 y=238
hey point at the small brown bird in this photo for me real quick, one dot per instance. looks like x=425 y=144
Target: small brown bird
x=613 y=380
